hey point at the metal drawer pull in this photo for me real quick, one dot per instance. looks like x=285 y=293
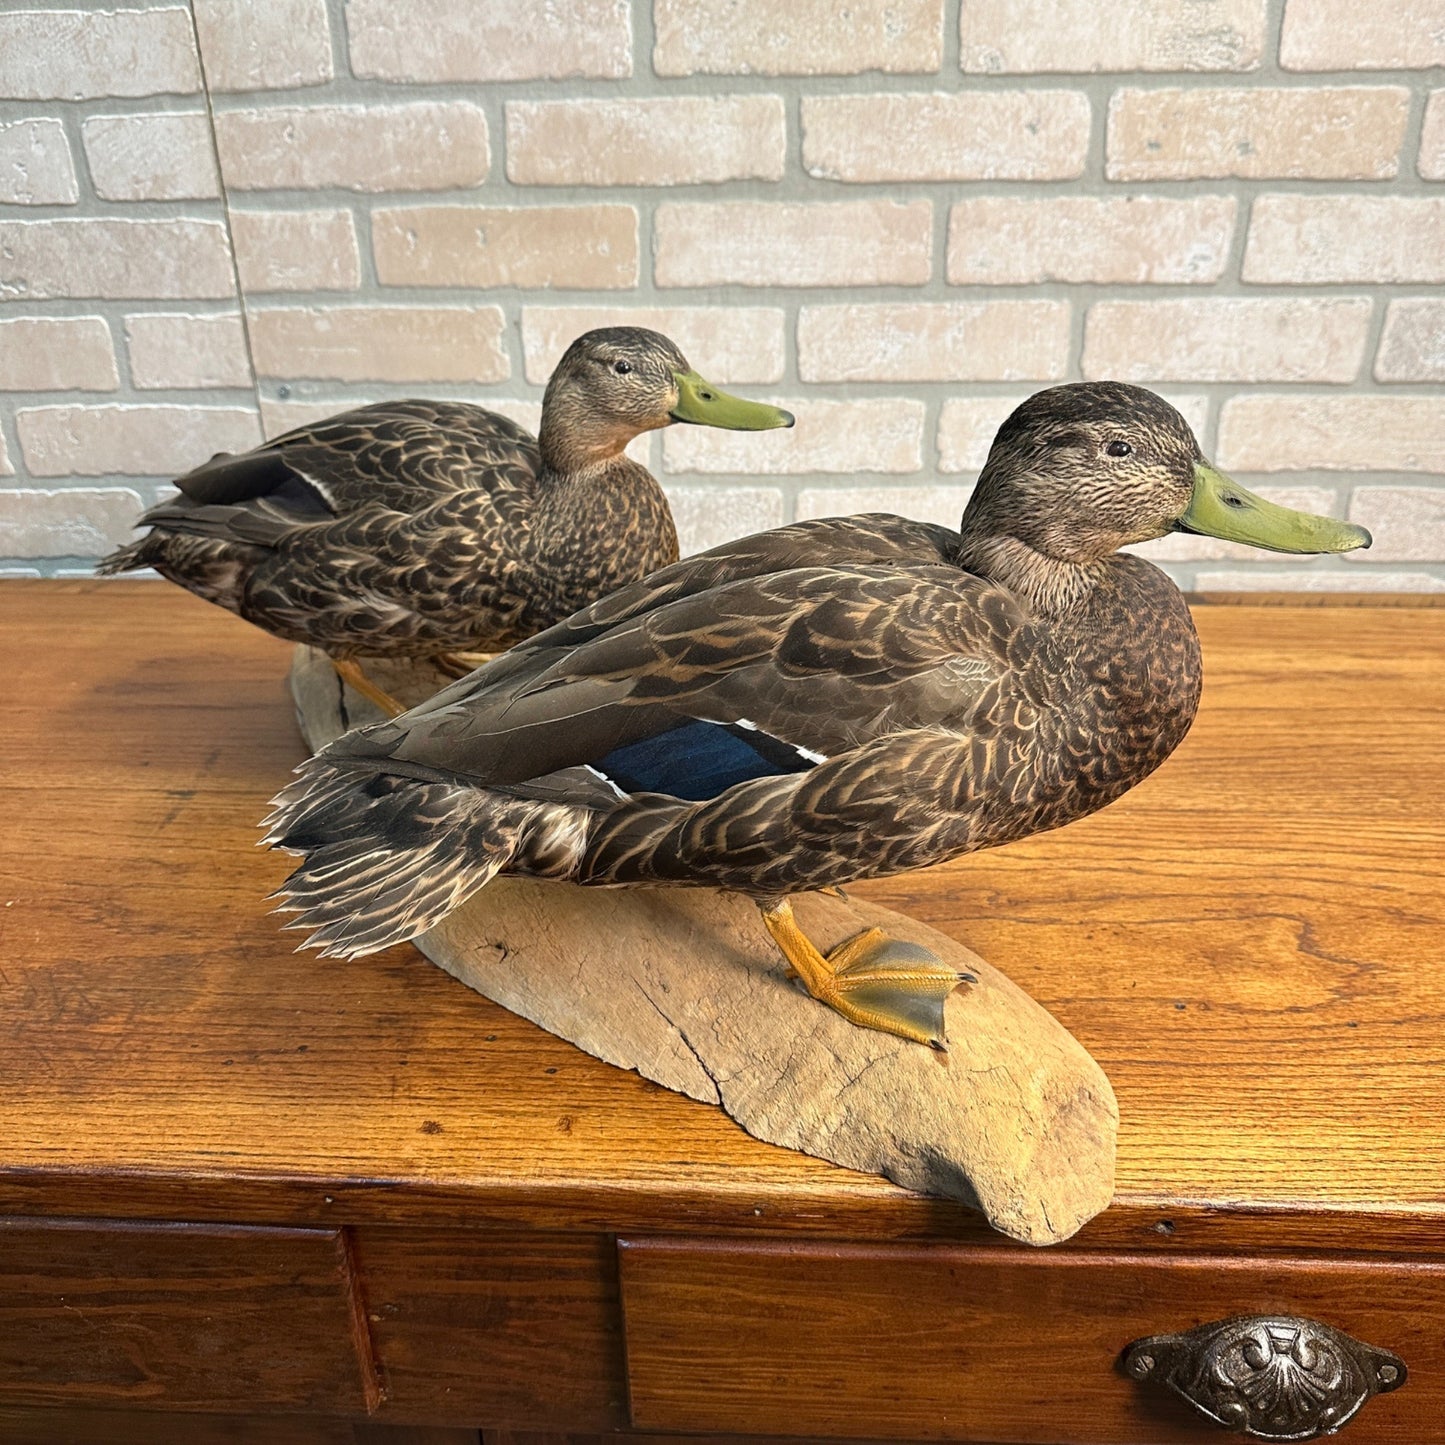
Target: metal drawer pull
x=1276 y=1377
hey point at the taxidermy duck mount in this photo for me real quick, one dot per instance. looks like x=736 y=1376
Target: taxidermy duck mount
x=429 y=529
x=831 y=701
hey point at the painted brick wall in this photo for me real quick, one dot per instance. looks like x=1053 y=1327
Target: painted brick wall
x=897 y=217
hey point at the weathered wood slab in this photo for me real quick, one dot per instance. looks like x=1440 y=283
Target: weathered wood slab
x=685 y=987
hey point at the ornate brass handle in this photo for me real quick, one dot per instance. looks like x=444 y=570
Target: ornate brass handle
x=1277 y=1377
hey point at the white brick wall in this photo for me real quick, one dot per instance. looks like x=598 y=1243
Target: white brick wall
x=896 y=217
x=569 y=248
x=122 y=355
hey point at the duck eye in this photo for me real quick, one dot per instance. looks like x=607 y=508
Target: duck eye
x=622 y=367
x=1118 y=449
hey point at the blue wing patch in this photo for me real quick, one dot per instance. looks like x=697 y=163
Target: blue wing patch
x=698 y=760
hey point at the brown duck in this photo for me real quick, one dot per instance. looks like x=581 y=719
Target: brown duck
x=426 y=528
x=833 y=700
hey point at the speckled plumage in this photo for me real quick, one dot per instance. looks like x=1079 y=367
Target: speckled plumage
x=414 y=528
x=961 y=690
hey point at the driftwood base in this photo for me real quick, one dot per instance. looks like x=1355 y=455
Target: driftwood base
x=684 y=986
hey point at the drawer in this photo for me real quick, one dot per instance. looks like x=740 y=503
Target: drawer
x=982 y=1344
x=177 y=1316
x=495 y=1328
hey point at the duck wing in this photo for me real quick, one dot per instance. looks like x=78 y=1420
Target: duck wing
x=876 y=540
x=816 y=660
x=399 y=457
x=403 y=455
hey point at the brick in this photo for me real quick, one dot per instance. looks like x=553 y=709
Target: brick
x=1408 y=523
x=98 y=441
x=983 y=135
x=36 y=168
x=1364 y=433
x=422 y=146
x=1317 y=577
x=728 y=344
x=709 y=516
x=57 y=353
x=567 y=247
x=943 y=505
x=1412 y=346
x=930 y=341
x=41 y=260
x=804 y=37
x=296 y=250
x=1227 y=338
x=154 y=157
x=766 y=243
x=1344 y=35
x=1314 y=240
x=187 y=351
x=1432 y=138
x=966 y=429
x=679 y=140
x=1351 y=133
x=74 y=522
x=877 y=434
x=437 y=41
x=83 y=54
x=1187 y=547
x=7 y=469
x=1082 y=36
x=264 y=44
x=379 y=343
x=1015 y=240
x=967 y=425
x=278 y=417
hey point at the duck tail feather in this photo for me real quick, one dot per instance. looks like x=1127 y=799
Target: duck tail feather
x=131 y=558
x=387 y=857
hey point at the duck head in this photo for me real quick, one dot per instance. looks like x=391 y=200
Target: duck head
x=619 y=381
x=1078 y=471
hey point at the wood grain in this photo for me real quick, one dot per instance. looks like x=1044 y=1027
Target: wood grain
x=939 y=1343
x=114 y=1427
x=497 y=1327
x=179 y=1317
x=1249 y=943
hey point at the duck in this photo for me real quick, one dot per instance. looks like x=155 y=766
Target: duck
x=428 y=529
x=830 y=701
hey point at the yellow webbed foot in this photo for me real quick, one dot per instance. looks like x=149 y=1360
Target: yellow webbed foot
x=874 y=981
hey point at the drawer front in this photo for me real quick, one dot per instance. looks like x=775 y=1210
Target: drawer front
x=174 y=1316
x=495 y=1328
x=981 y=1344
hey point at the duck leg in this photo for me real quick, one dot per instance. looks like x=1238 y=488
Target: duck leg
x=459 y=664
x=874 y=981
x=349 y=671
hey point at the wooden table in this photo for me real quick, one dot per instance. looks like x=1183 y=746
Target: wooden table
x=307 y=1200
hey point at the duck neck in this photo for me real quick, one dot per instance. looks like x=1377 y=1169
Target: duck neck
x=1052 y=587
x=576 y=446
x=594 y=528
